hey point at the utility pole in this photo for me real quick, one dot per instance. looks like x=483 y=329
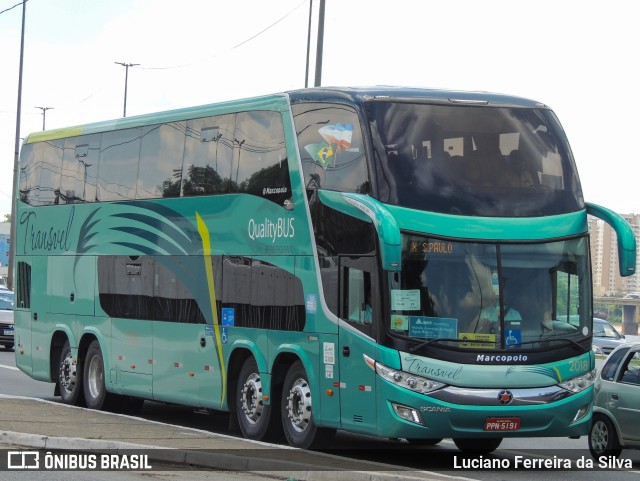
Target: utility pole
x=14 y=220
x=126 y=81
x=319 y=46
x=306 y=73
x=44 y=114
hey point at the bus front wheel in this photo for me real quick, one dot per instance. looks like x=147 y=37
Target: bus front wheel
x=69 y=377
x=257 y=420
x=297 y=416
x=477 y=445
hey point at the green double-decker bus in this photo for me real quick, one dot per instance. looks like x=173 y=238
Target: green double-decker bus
x=403 y=263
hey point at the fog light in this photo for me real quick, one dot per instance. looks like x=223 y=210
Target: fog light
x=407 y=413
x=582 y=412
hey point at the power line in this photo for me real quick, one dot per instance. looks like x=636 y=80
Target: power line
x=11 y=8
x=235 y=46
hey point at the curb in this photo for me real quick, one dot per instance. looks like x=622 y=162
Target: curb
x=221 y=461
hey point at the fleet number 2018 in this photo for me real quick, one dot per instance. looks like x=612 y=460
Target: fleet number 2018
x=579 y=366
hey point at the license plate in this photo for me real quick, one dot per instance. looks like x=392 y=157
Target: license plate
x=8 y=332
x=502 y=424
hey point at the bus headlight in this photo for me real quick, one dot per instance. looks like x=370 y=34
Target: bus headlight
x=579 y=383
x=404 y=379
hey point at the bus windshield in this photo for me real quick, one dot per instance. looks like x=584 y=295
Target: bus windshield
x=472 y=296
x=473 y=160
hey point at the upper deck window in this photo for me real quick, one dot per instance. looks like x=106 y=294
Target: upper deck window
x=331 y=147
x=471 y=160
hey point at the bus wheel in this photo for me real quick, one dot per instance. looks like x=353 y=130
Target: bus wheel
x=95 y=392
x=128 y=404
x=424 y=442
x=478 y=445
x=257 y=420
x=603 y=439
x=69 y=377
x=297 y=417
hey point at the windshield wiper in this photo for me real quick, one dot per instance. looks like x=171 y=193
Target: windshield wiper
x=419 y=346
x=550 y=339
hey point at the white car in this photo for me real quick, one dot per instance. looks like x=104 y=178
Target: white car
x=605 y=337
x=6 y=319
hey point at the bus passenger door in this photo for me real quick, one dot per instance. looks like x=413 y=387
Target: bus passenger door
x=359 y=306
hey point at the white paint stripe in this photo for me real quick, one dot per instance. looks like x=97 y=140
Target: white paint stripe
x=9 y=367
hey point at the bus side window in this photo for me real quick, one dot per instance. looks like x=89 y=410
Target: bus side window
x=260 y=164
x=208 y=152
x=331 y=147
x=119 y=155
x=23 y=286
x=357 y=296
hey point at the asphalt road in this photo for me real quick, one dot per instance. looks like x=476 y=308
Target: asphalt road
x=443 y=458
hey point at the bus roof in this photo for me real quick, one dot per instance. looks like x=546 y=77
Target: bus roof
x=279 y=101
x=452 y=97
x=267 y=102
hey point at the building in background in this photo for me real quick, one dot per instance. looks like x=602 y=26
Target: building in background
x=604 y=258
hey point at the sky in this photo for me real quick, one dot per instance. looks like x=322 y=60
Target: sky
x=577 y=56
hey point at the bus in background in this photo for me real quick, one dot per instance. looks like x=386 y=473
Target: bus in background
x=395 y=262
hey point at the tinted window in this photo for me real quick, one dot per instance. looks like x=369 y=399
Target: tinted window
x=470 y=160
x=205 y=156
x=23 y=286
x=118 y=170
x=208 y=155
x=258 y=294
x=260 y=159
x=331 y=147
x=144 y=288
x=160 y=169
x=50 y=172
x=40 y=172
x=79 y=167
x=611 y=365
x=630 y=372
x=29 y=173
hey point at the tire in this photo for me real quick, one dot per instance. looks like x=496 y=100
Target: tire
x=95 y=392
x=70 y=378
x=127 y=404
x=423 y=442
x=297 y=415
x=477 y=445
x=603 y=438
x=257 y=420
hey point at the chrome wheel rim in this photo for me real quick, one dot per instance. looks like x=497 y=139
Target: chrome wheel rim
x=599 y=437
x=299 y=405
x=68 y=373
x=95 y=376
x=252 y=404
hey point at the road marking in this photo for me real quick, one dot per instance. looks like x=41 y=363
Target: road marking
x=9 y=367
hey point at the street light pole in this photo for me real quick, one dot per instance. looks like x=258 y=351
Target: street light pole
x=320 y=45
x=12 y=245
x=306 y=73
x=44 y=114
x=126 y=81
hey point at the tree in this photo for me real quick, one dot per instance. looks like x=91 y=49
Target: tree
x=7 y=217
